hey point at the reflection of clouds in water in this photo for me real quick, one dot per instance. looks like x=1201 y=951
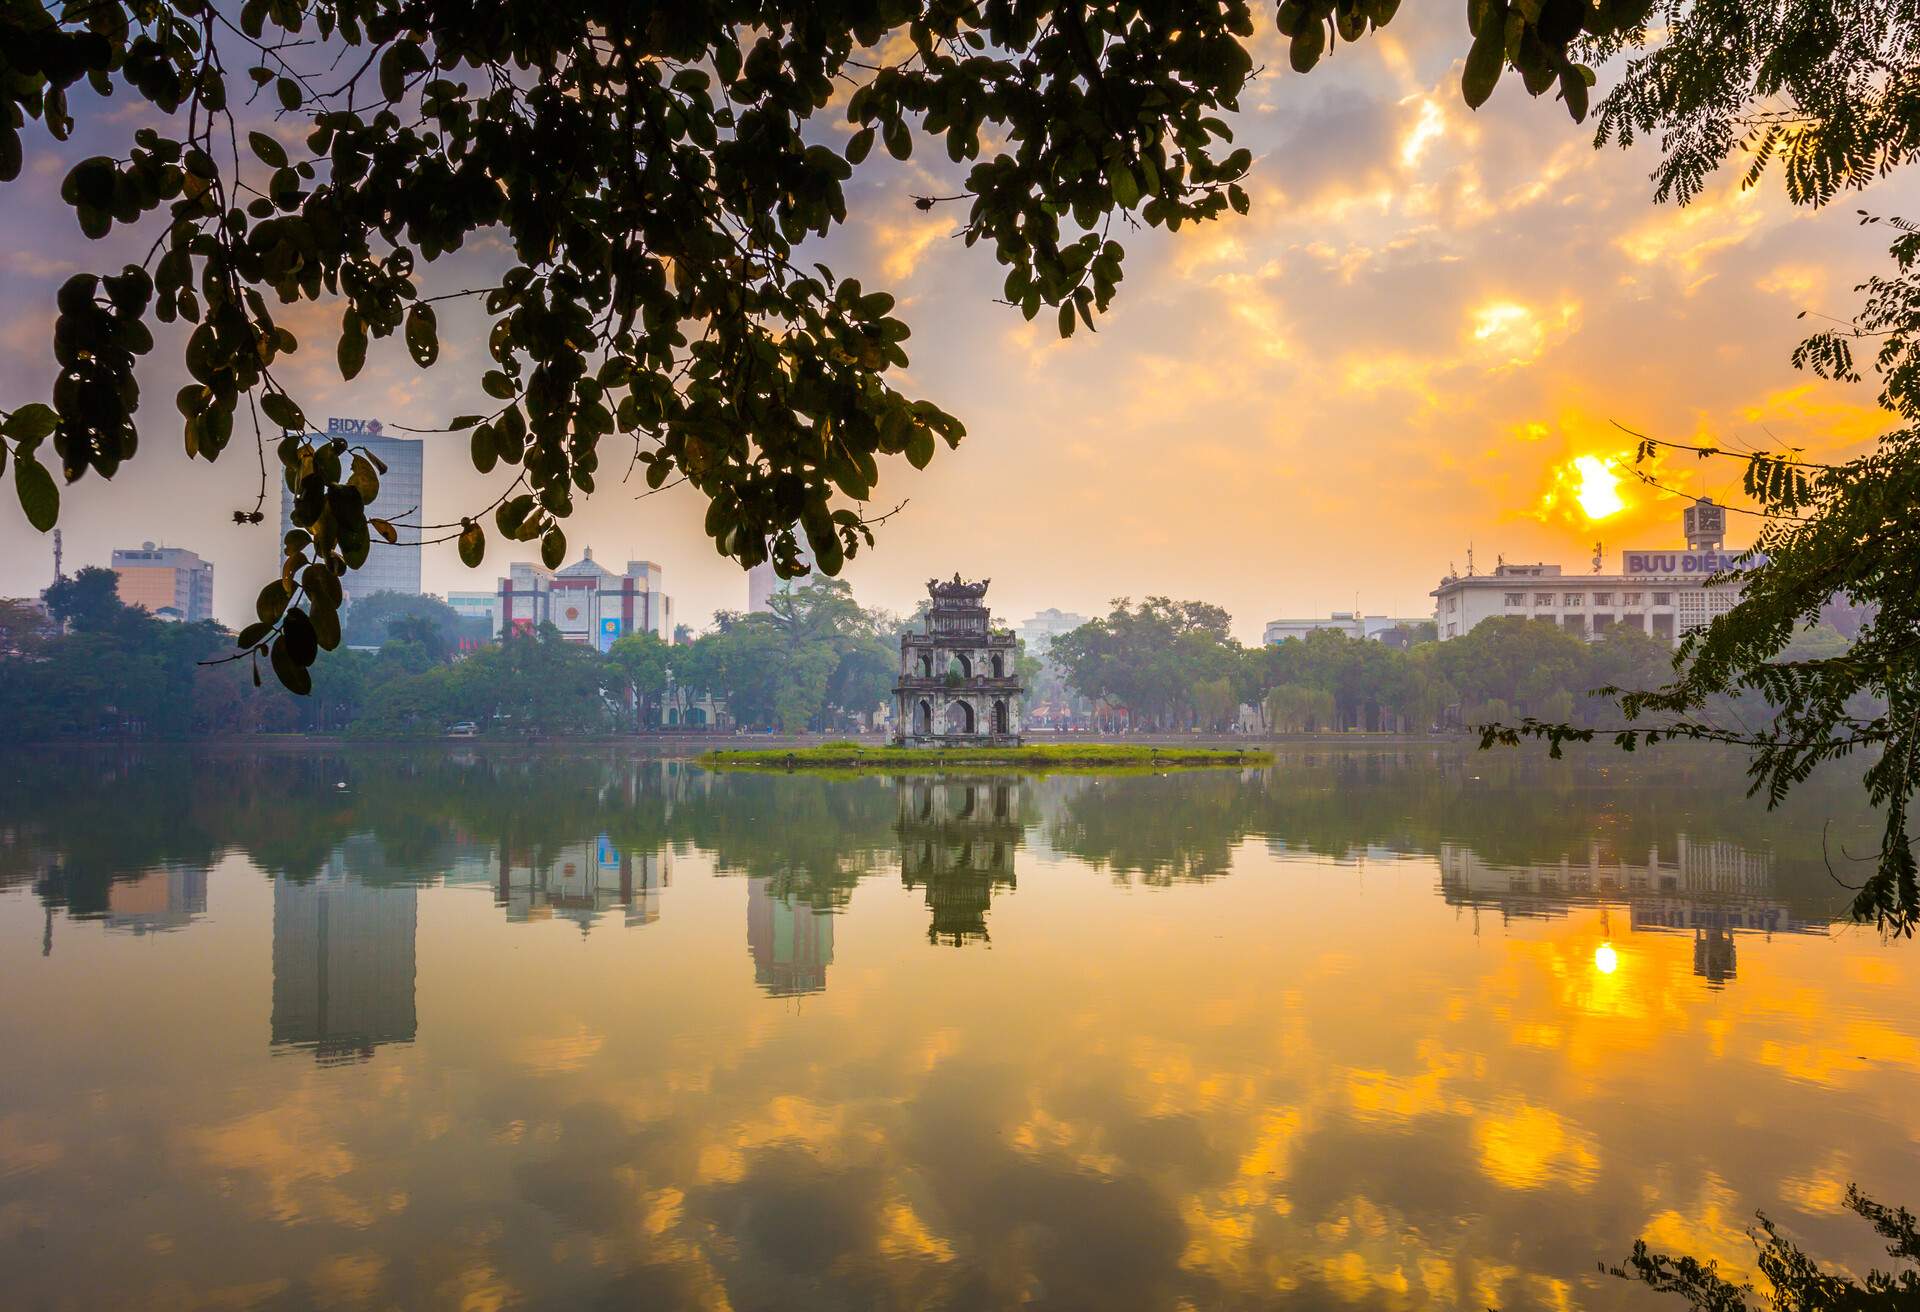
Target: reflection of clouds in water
x=1307 y=1077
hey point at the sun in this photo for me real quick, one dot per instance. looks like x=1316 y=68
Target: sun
x=1599 y=487
x=1605 y=959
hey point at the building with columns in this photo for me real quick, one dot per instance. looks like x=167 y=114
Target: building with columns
x=959 y=683
x=1663 y=593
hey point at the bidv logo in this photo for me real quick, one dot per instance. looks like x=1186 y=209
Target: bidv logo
x=353 y=427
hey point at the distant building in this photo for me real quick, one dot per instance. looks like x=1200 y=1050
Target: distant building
x=586 y=601
x=343 y=964
x=762 y=582
x=1355 y=625
x=479 y=614
x=1663 y=593
x=1039 y=632
x=791 y=945
x=164 y=898
x=584 y=881
x=170 y=583
x=388 y=568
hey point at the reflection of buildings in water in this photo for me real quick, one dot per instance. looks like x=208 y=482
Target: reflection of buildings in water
x=957 y=839
x=582 y=882
x=791 y=945
x=1711 y=890
x=164 y=898
x=343 y=964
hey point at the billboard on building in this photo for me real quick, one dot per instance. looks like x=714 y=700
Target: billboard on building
x=609 y=631
x=1689 y=564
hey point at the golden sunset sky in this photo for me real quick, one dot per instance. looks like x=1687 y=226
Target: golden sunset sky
x=1429 y=316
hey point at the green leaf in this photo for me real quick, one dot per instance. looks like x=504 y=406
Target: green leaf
x=482 y=449
x=30 y=423
x=296 y=630
x=920 y=447
x=279 y=407
x=473 y=545
x=1066 y=319
x=291 y=673
x=271 y=604
x=553 y=548
x=1485 y=60
x=384 y=529
x=858 y=147
x=352 y=352
x=1126 y=186
x=271 y=152
x=423 y=335
x=39 y=496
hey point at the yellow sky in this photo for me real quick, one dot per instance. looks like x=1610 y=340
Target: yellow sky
x=1428 y=316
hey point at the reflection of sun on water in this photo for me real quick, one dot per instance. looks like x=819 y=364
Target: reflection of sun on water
x=1605 y=959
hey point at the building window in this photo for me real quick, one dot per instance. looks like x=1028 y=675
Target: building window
x=1543 y=599
x=1632 y=598
x=1576 y=599
x=1603 y=599
x=1453 y=604
x=1663 y=599
x=1516 y=599
x=1453 y=630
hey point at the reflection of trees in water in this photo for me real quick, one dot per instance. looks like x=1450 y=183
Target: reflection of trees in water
x=75 y=821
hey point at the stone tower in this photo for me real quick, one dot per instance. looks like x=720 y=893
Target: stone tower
x=958 y=683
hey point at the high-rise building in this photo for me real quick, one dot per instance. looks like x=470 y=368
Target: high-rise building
x=791 y=944
x=586 y=601
x=762 y=582
x=389 y=567
x=171 y=583
x=343 y=964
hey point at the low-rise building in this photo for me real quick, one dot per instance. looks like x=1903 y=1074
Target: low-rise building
x=170 y=583
x=1662 y=593
x=586 y=601
x=1378 y=628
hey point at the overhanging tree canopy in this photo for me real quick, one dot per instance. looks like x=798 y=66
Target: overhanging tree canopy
x=654 y=170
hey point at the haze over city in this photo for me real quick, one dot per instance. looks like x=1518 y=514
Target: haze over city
x=1419 y=340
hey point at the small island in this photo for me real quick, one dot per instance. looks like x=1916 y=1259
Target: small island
x=1048 y=756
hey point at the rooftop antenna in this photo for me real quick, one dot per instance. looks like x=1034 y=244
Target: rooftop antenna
x=1596 y=558
x=1469 y=560
x=58 y=573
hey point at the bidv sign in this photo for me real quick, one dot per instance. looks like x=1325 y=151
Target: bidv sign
x=1698 y=564
x=353 y=428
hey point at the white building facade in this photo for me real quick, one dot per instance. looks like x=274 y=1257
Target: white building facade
x=1351 y=623
x=1662 y=593
x=586 y=601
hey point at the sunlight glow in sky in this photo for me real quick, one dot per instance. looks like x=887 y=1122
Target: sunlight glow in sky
x=1599 y=491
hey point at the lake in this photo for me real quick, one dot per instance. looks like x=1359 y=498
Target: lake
x=1373 y=1027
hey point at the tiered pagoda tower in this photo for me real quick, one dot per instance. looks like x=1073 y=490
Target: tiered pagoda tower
x=958 y=683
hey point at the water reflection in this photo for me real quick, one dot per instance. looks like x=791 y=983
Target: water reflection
x=957 y=841
x=1709 y=891
x=790 y=942
x=343 y=964
x=1372 y=1030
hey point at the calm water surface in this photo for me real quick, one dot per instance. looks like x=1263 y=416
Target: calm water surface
x=1368 y=1029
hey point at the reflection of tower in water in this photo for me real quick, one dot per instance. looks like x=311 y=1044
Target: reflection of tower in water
x=957 y=840
x=791 y=945
x=343 y=965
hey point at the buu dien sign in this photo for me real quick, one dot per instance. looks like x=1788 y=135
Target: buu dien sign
x=1688 y=564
